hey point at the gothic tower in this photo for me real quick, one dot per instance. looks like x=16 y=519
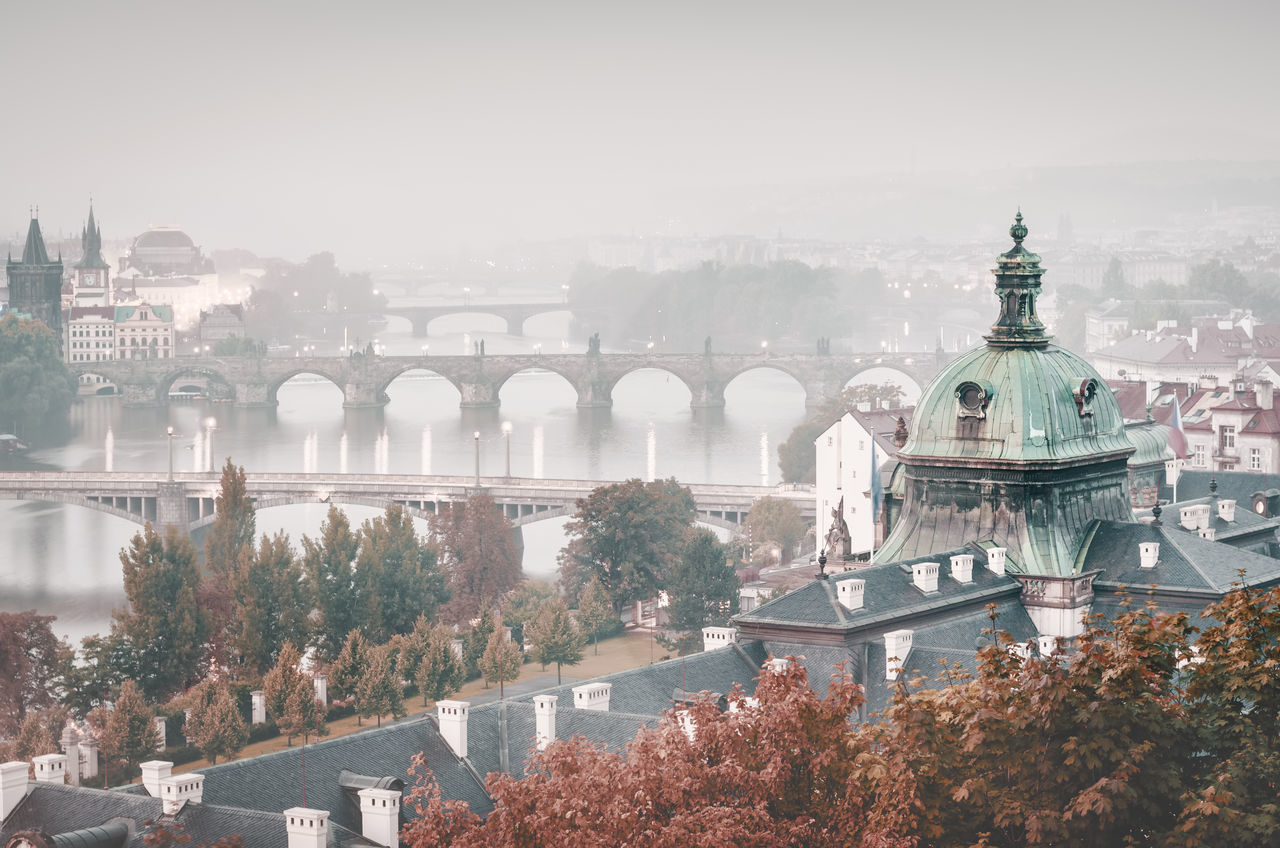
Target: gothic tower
x=92 y=282
x=35 y=283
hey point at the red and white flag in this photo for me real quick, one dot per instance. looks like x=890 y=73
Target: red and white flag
x=1177 y=438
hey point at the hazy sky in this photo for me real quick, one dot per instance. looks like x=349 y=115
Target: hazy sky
x=388 y=130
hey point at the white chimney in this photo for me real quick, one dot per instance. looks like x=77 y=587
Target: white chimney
x=1227 y=510
x=544 y=719
x=1207 y=533
x=307 y=828
x=161 y=732
x=718 y=637
x=259 y=700
x=154 y=771
x=452 y=716
x=592 y=696
x=177 y=789
x=1265 y=393
x=687 y=724
x=89 y=754
x=1195 y=517
x=71 y=747
x=321 y=684
x=924 y=575
x=995 y=560
x=1048 y=645
x=1194 y=339
x=380 y=816
x=777 y=665
x=13 y=787
x=1021 y=650
x=50 y=768
x=897 y=646
x=850 y=593
x=962 y=568
x=1148 y=554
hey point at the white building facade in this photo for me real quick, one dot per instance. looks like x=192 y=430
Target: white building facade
x=843 y=473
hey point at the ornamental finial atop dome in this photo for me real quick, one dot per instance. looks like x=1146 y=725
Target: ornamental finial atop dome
x=1019 y=229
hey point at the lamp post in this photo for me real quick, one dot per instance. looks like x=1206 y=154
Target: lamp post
x=476 y=436
x=466 y=295
x=506 y=434
x=169 y=432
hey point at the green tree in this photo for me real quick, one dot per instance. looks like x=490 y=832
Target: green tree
x=349 y=668
x=594 y=611
x=164 y=623
x=237 y=346
x=302 y=713
x=270 y=601
x=215 y=725
x=475 y=642
x=521 y=605
x=1113 y=282
x=103 y=664
x=796 y=457
x=628 y=535
x=501 y=659
x=555 y=636
x=329 y=564
x=396 y=576
x=130 y=733
x=280 y=684
x=33 y=666
x=440 y=671
x=702 y=589
x=380 y=690
x=233 y=525
x=776 y=520
x=36 y=387
x=478 y=552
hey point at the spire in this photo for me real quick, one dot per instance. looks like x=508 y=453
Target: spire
x=1018 y=274
x=91 y=242
x=33 y=253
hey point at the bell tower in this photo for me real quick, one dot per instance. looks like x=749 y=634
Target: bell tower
x=92 y=282
x=35 y=283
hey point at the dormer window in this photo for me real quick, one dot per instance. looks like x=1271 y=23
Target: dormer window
x=972 y=400
x=1085 y=395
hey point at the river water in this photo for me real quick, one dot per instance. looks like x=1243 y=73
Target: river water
x=64 y=560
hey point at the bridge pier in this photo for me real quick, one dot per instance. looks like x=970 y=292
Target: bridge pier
x=360 y=394
x=140 y=395
x=171 y=506
x=710 y=396
x=254 y=396
x=478 y=394
x=594 y=393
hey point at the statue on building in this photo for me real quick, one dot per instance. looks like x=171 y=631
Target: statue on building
x=593 y=345
x=838 y=541
x=706 y=346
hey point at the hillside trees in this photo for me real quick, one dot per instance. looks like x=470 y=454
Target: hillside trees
x=478 y=553
x=440 y=672
x=702 y=587
x=777 y=520
x=269 y=601
x=215 y=725
x=594 y=612
x=501 y=659
x=36 y=387
x=129 y=735
x=555 y=636
x=32 y=662
x=329 y=564
x=396 y=576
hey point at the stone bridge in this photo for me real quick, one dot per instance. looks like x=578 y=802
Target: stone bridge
x=514 y=314
x=254 y=381
x=187 y=500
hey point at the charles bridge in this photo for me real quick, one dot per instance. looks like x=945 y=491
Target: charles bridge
x=186 y=500
x=513 y=314
x=254 y=381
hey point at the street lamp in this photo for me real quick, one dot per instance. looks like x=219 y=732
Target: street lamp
x=476 y=436
x=764 y=347
x=425 y=348
x=565 y=289
x=169 y=432
x=506 y=434
x=210 y=424
x=466 y=295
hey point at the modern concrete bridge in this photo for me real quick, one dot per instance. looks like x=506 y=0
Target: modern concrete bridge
x=254 y=381
x=187 y=500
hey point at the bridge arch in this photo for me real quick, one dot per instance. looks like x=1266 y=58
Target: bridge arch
x=510 y=325
x=424 y=368
x=535 y=368
x=278 y=380
x=617 y=377
x=777 y=368
x=91 y=382
x=209 y=374
x=912 y=383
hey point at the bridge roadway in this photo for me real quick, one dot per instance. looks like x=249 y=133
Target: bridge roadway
x=187 y=502
x=513 y=314
x=254 y=381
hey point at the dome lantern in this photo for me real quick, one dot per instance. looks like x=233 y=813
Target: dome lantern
x=1018 y=274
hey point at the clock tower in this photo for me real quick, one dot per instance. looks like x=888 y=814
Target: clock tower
x=92 y=283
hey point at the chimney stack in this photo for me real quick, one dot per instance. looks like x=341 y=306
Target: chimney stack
x=1048 y=645
x=850 y=593
x=50 y=768
x=307 y=828
x=925 y=576
x=962 y=568
x=1266 y=394
x=259 y=700
x=1227 y=510
x=897 y=646
x=544 y=720
x=177 y=789
x=718 y=637
x=995 y=560
x=154 y=771
x=321 y=683
x=592 y=696
x=13 y=787
x=71 y=747
x=452 y=716
x=1148 y=554
x=380 y=816
x=777 y=664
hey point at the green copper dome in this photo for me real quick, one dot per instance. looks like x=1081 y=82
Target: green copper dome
x=1019 y=443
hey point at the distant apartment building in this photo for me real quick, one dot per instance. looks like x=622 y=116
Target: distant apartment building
x=844 y=472
x=1233 y=429
x=1113 y=320
x=221 y=321
x=1208 y=353
x=144 y=331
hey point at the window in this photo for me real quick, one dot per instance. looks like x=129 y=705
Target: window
x=1228 y=438
x=1200 y=456
x=1255 y=459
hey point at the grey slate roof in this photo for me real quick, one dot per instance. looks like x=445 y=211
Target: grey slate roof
x=273 y=781
x=1237 y=485
x=1186 y=562
x=56 y=808
x=889 y=595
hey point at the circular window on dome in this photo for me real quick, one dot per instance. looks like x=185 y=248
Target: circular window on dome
x=971 y=400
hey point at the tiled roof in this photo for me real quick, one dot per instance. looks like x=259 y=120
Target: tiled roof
x=274 y=781
x=1240 y=486
x=56 y=808
x=1186 y=562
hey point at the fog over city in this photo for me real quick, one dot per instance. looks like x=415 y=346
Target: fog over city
x=387 y=132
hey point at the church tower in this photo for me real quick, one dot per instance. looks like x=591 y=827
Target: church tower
x=35 y=283
x=92 y=283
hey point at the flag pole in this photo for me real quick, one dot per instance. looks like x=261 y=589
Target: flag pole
x=875 y=513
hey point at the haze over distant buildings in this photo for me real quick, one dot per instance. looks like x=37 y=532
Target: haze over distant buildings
x=393 y=131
